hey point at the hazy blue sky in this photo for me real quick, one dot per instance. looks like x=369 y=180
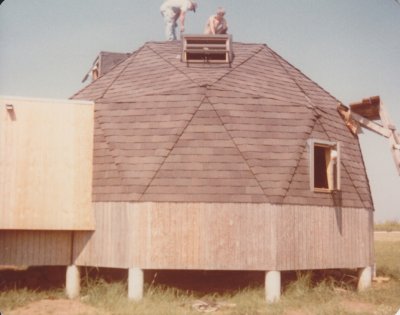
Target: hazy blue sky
x=349 y=47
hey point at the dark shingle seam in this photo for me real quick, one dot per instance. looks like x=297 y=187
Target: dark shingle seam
x=278 y=58
x=211 y=84
x=131 y=59
x=299 y=159
x=109 y=147
x=172 y=65
x=236 y=146
x=112 y=152
x=170 y=150
x=311 y=105
x=314 y=108
x=238 y=65
x=101 y=77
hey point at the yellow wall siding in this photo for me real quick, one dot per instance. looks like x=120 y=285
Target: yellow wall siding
x=46 y=149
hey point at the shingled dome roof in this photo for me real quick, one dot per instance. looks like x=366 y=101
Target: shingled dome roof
x=168 y=131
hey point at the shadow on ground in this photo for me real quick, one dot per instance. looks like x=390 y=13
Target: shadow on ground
x=45 y=278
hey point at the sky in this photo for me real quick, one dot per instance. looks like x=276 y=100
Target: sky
x=351 y=48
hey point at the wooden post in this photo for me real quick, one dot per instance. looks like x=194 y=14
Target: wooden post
x=72 y=283
x=272 y=286
x=135 y=283
x=364 y=278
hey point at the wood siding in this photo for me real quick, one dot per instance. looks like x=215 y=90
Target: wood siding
x=35 y=248
x=46 y=149
x=205 y=237
x=226 y=237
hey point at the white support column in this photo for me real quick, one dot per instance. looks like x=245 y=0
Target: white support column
x=72 y=283
x=364 y=278
x=135 y=283
x=272 y=286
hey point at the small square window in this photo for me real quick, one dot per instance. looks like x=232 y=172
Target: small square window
x=324 y=165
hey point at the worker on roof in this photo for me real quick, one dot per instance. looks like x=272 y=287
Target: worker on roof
x=216 y=24
x=172 y=10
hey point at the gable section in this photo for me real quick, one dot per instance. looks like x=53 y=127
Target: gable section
x=270 y=134
x=299 y=190
x=205 y=166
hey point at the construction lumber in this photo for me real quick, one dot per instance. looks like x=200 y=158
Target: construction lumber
x=362 y=114
x=368 y=108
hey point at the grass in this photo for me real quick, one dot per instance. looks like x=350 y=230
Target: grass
x=388 y=226
x=387 y=256
x=309 y=293
x=303 y=296
x=14 y=298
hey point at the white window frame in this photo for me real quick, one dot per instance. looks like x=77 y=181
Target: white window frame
x=334 y=184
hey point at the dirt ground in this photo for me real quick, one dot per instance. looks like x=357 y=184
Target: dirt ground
x=75 y=307
x=57 y=307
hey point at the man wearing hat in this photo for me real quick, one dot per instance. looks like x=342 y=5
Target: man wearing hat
x=172 y=10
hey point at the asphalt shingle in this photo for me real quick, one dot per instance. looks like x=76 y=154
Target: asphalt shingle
x=177 y=132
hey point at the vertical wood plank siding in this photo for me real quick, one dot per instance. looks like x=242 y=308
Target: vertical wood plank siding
x=204 y=236
x=323 y=238
x=178 y=236
x=226 y=237
x=35 y=248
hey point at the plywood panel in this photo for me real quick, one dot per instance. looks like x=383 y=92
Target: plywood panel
x=46 y=164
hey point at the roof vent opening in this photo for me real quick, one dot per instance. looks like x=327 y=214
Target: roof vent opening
x=207 y=49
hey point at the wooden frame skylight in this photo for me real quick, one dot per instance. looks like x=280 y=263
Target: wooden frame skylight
x=324 y=167
x=207 y=49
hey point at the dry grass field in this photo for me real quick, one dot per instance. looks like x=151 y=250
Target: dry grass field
x=304 y=293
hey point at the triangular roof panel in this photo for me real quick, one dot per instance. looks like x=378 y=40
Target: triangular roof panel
x=177 y=132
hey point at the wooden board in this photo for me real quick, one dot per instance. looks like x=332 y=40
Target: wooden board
x=368 y=108
x=226 y=237
x=35 y=248
x=46 y=164
x=202 y=236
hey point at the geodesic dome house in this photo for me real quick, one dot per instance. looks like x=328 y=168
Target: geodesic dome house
x=213 y=155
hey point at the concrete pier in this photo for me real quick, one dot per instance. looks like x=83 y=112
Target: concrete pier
x=364 y=278
x=135 y=283
x=72 y=282
x=272 y=286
